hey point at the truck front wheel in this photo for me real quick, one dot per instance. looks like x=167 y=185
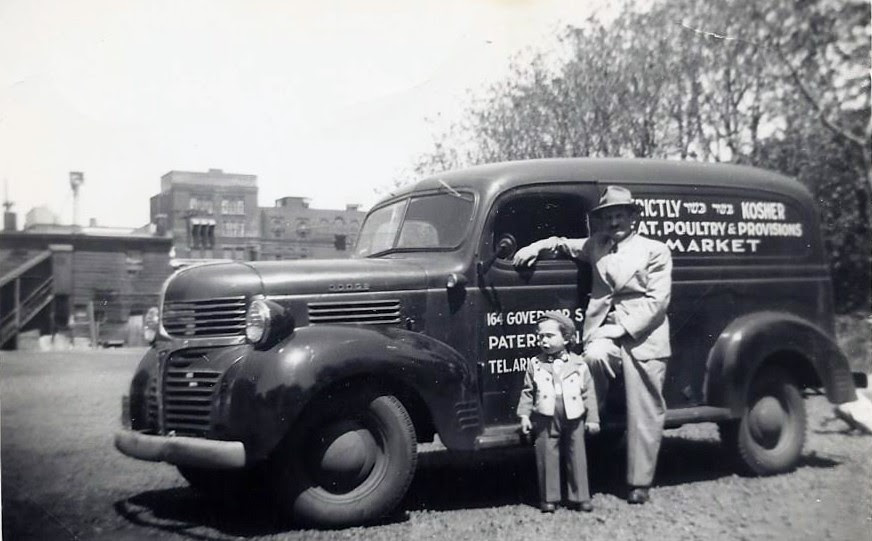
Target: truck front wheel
x=349 y=461
x=770 y=435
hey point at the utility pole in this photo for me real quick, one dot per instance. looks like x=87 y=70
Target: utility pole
x=8 y=218
x=76 y=180
x=7 y=204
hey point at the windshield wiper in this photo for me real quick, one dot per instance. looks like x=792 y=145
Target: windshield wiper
x=451 y=190
x=383 y=252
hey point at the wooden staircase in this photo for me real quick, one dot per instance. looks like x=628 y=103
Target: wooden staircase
x=26 y=289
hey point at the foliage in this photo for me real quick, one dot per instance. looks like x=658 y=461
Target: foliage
x=781 y=84
x=854 y=334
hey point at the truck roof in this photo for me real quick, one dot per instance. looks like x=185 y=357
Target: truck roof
x=505 y=175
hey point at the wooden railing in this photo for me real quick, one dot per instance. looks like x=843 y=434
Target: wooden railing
x=24 y=268
x=26 y=290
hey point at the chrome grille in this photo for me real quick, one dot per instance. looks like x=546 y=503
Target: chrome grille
x=224 y=316
x=152 y=410
x=187 y=397
x=359 y=312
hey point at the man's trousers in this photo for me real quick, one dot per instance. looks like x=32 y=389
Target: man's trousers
x=560 y=442
x=646 y=408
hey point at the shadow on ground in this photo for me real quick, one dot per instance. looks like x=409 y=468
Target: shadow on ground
x=444 y=481
x=185 y=512
x=447 y=481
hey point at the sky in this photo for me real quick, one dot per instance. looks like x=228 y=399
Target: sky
x=330 y=100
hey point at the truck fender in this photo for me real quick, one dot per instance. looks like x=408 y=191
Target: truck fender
x=146 y=372
x=271 y=388
x=753 y=338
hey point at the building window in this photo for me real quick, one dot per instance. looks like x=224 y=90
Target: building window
x=232 y=205
x=133 y=261
x=202 y=233
x=339 y=242
x=202 y=204
x=232 y=228
x=277 y=226
x=302 y=228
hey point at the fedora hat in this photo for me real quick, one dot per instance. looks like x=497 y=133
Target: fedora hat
x=615 y=196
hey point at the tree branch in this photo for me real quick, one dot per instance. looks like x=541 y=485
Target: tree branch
x=800 y=83
x=815 y=102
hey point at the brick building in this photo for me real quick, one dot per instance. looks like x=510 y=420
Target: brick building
x=214 y=215
x=211 y=215
x=293 y=230
x=119 y=272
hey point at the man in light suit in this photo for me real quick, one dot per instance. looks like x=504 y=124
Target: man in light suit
x=625 y=325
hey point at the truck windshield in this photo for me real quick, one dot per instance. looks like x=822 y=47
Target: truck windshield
x=416 y=223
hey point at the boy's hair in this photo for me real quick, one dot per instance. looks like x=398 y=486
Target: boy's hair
x=566 y=325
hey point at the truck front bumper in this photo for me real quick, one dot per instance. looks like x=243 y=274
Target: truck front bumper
x=181 y=450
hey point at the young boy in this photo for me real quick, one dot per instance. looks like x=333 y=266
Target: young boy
x=557 y=404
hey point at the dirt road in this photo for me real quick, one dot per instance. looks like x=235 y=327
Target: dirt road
x=63 y=479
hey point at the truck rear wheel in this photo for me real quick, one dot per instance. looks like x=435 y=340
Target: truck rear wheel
x=769 y=437
x=348 y=462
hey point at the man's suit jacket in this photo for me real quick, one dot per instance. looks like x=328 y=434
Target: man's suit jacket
x=638 y=286
x=539 y=395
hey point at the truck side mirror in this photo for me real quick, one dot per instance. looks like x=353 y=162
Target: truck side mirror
x=506 y=248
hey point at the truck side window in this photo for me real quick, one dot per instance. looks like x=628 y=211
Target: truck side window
x=534 y=216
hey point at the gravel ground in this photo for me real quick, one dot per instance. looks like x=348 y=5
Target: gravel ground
x=63 y=479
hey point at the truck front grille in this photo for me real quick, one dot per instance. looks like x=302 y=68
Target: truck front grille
x=187 y=397
x=152 y=410
x=358 y=312
x=224 y=316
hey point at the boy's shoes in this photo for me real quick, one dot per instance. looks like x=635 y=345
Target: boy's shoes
x=584 y=506
x=546 y=507
x=638 y=495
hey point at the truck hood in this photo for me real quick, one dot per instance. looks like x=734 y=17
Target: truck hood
x=300 y=277
x=313 y=276
x=213 y=281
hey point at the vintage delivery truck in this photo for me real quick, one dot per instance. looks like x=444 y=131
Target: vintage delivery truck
x=327 y=374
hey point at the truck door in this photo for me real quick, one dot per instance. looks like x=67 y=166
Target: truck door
x=512 y=299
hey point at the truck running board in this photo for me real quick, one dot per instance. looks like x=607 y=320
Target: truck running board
x=510 y=435
x=696 y=414
x=499 y=436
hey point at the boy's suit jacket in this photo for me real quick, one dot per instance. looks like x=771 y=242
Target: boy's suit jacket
x=538 y=394
x=636 y=279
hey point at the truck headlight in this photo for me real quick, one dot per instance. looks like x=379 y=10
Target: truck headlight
x=267 y=322
x=257 y=321
x=150 y=324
